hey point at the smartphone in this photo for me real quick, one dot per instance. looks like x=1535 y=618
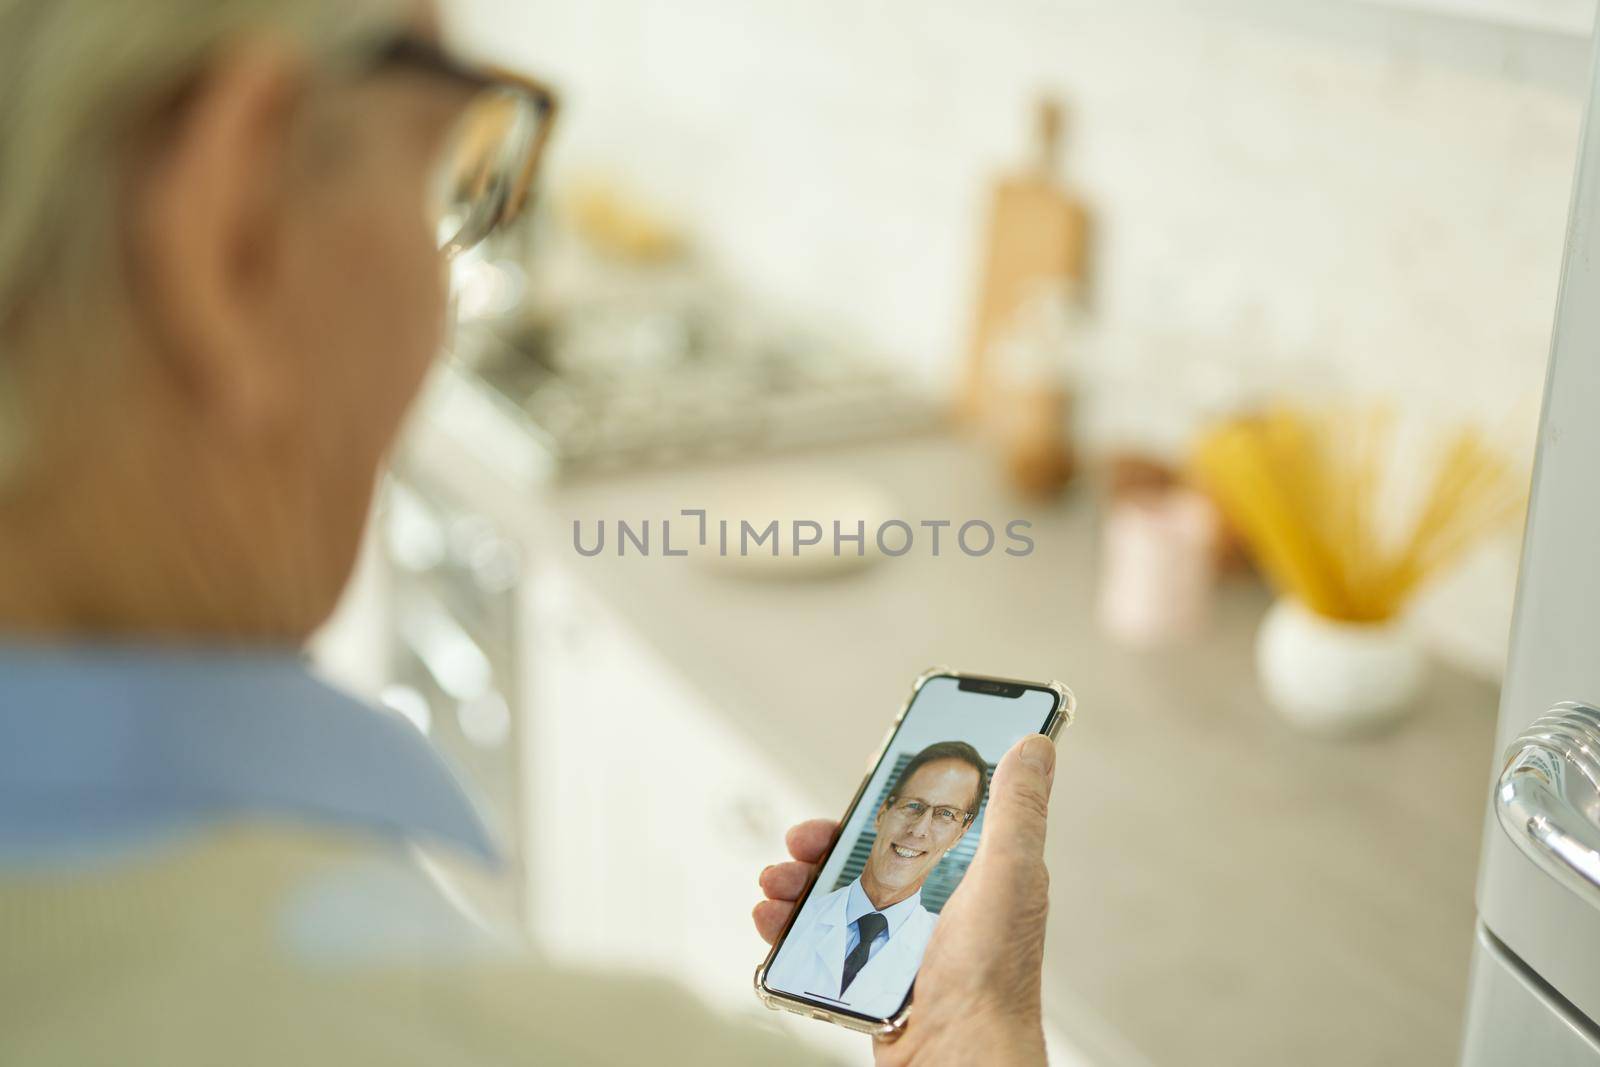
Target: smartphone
x=851 y=951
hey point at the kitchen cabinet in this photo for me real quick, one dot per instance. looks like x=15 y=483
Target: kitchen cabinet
x=649 y=819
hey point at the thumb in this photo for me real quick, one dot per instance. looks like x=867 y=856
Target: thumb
x=1019 y=800
x=1004 y=899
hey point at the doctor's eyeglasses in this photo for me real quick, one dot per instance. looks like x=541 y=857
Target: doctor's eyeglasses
x=910 y=810
x=486 y=171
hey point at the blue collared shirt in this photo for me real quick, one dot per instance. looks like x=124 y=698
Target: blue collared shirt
x=104 y=746
x=350 y=951
x=857 y=904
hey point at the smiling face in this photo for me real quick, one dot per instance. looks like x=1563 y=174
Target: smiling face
x=912 y=837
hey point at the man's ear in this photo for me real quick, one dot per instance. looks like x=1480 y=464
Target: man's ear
x=211 y=208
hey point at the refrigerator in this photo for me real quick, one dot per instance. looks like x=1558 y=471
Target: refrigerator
x=1534 y=992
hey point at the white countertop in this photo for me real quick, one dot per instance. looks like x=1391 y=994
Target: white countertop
x=1225 y=889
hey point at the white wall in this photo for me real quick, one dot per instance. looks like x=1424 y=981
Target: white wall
x=1318 y=181
x=1306 y=191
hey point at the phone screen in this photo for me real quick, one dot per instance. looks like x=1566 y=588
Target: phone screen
x=858 y=939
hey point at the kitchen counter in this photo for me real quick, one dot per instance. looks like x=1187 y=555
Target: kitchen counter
x=1225 y=889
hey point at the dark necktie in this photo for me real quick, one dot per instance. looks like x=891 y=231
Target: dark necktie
x=868 y=927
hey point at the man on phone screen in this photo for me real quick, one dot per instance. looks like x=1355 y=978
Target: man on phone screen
x=860 y=946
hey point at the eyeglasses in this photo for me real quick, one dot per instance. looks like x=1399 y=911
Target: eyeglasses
x=492 y=154
x=910 y=810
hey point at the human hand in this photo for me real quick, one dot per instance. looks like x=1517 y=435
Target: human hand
x=978 y=992
x=783 y=882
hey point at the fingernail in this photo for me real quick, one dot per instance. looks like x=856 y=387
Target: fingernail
x=762 y=877
x=1039 y=753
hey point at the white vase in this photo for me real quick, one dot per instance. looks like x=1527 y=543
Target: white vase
x=1336 y=677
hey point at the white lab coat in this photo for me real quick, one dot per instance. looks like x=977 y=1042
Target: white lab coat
x=812 y=961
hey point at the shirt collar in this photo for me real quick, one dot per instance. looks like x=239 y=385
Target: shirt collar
x=858 y=904
x=101 y=740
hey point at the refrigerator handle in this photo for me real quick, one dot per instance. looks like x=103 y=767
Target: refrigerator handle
x=1548 y=796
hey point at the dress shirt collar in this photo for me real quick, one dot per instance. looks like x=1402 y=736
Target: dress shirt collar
x=858 y=904
x=101 y=741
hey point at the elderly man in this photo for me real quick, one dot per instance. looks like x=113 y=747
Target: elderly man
x=223 y=231
x=860 y=945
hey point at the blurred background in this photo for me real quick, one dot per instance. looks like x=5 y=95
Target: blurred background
x=1242 y=306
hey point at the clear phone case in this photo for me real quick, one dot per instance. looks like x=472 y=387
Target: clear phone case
x=888 y=1029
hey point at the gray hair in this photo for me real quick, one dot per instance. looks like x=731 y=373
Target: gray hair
x=945 y=750
x=76 y=79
